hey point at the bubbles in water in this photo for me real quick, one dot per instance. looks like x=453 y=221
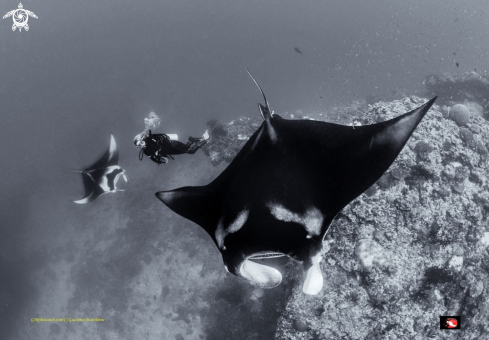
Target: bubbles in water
x=151 y=122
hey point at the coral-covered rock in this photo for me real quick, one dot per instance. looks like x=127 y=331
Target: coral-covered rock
x=227 y=139
x=474 y=108
x=469 y=86
x=476 y=289
x=370 y=253
x=466 y=135
x=300 y=326
x=460 y=114
x=456 y=262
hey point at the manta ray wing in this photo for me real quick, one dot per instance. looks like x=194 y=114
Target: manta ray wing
x=110 y=157
x=92 y=191
x=286 y=185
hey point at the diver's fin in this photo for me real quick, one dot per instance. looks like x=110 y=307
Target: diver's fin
x=194 y=203
x=260 y=275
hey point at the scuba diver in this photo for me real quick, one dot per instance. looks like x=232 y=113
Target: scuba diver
x=160 y=147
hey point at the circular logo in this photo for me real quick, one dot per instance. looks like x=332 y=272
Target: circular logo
x=20 y=17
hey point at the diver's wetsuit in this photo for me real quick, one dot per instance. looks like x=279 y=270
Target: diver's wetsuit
x=159 y=147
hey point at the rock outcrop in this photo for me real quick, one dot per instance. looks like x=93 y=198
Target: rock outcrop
x=451 y=88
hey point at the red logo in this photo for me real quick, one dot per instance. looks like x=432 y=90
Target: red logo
x=451 y=323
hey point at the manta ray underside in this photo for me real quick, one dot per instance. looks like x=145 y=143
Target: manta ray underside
x=101 y=177
x=280 y=194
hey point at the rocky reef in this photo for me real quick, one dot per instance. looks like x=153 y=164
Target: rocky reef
x=452 y=89
x=414 y=246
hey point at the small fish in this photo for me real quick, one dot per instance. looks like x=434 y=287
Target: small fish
x=456 y=64
x=297 y=50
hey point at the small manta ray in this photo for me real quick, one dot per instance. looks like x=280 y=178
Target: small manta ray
x=101 y=177
x=286 y=185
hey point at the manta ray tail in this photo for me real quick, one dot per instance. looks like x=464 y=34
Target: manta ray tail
x=264 y=110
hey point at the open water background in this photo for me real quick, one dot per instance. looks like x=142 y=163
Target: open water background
x=86 y=69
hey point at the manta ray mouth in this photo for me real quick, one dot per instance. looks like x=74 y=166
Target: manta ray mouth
x=260 y=275
x=264 y=255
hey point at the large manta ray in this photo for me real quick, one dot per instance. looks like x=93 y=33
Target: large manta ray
x=101 y=177
x=283 y=189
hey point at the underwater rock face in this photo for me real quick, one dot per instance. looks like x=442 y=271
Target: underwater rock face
x=469 y=86
x=227 y=139
x=300 y=326
x=474 y=108
x=425 y=257
x=460 y=114
x=412 y=248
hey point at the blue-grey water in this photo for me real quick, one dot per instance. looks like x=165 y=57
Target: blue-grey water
x=86 y=69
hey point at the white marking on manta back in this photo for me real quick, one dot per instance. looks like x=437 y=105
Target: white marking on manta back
x=236 y=225
x=257 y=139
x=312 y=219
x=271 y=132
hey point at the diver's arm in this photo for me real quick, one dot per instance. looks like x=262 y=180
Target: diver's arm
x=159 y=159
